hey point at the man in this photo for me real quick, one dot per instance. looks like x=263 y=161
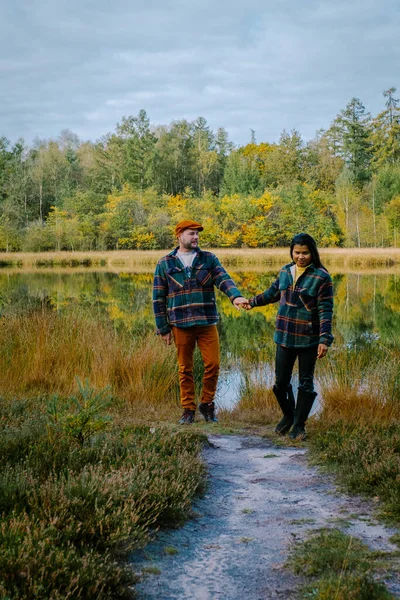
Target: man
x=185 y=311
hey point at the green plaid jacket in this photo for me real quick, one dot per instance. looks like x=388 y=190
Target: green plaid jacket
x=185 y=299
x=305 y=311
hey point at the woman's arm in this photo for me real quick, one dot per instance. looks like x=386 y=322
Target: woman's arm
x=272 y=294
x=325 y=311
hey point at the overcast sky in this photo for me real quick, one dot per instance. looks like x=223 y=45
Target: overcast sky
x=254 y=64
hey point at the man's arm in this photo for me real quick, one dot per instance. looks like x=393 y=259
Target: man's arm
x=222 y=280
x=160 y=294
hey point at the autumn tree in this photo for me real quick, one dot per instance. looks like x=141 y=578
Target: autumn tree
x=321 y=167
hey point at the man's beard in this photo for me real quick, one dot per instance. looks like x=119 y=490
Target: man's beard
x=189 y=245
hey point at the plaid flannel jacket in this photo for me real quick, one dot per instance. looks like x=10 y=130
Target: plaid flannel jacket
x=305 y=311
x=184 y=299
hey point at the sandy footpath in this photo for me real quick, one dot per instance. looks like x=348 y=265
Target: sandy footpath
x=261 y=499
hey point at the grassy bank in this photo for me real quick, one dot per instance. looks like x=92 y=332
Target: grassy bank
x=357 y=434
x=343 y=259
x=77 y=496
x=87 y=471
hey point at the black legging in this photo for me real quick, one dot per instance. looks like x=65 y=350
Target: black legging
x=284 y=362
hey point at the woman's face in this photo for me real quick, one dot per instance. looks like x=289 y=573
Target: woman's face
x=301 y=255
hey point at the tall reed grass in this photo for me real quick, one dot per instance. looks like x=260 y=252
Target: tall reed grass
x=257 y=404
x=343 y=258
x=43 y=352
x=361 y=385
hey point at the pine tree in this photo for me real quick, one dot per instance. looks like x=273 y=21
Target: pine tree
x=353 y=129
x=385 y=136
x=139 y=147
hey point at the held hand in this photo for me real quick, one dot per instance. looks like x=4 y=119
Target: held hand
x=322 y=350
x=241 y=303
x=167 y=338
x=248 y=306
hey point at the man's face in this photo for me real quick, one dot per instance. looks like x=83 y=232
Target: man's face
x=189 y=239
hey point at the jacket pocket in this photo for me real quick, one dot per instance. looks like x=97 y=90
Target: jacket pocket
x=289 y=297
x=308 y=299
x=173 y=275
x=203 y=274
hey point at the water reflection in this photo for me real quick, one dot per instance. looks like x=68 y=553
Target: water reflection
x=232 y=381
x=367 y=311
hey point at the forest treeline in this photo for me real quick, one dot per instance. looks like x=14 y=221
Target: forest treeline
x=129 y=188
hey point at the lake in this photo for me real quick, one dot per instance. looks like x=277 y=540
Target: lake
x=367 y=311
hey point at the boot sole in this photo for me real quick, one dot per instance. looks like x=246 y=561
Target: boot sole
x=282 y=431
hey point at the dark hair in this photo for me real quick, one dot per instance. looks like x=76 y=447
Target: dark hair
x=303 y=239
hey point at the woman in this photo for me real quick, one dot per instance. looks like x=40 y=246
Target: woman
x=303 y=329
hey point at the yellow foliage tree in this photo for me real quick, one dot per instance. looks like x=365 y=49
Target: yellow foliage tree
x=257 y=153
x=178 y=208
x=211 y=236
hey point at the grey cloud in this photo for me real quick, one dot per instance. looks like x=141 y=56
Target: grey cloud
x=263 y=65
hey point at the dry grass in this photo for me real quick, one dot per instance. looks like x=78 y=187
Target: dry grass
x=341 y=259
x=257 y=404
x=44 y=352
x=357 y=433
x=358 y=407
x=361 y=386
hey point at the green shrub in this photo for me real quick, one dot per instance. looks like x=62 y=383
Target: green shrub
x=36 y=563
x=84 y=417
x=74 y=500
x=341 y=566
x=348 y=587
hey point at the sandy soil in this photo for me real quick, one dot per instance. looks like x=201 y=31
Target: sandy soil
x=261 y=499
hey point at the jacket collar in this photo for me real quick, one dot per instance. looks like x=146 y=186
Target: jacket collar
x=292 y=264
x=291 y=267
x=175 y=250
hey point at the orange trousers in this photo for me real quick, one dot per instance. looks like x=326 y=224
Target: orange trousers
x=207 y=340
